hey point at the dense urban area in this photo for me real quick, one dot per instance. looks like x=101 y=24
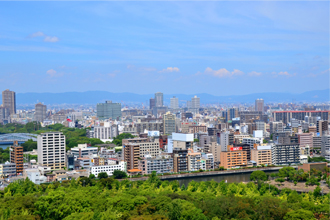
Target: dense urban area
x=113 y=161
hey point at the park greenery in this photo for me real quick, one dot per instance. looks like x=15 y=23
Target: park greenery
x=316 y=159
x=108 y=198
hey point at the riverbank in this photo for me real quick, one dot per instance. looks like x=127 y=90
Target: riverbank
x=209 y=174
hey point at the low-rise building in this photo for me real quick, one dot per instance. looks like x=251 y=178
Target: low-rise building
x=7 y=169
x=262 y=154
x=82 y=150
x=160 y=164
x=109 y=169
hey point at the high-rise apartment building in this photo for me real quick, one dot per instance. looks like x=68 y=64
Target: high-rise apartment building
x=169 y=123
x=108 y=110
x=9 y=100
x=226 y=138
x=51 y=150
x=322 y=127
x=259 y=105
x=174 y=104
x=285 y=154
x=195 y=102
x=180 y=160
x=4 y=114
x=152 y=103
x=325 y=147
x=189 y=104
x=40 y=112
x=159 y=100
x=285 y=116
x=16 y=156
x=131 y=153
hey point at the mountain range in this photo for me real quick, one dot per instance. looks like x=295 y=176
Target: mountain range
x=93 y=97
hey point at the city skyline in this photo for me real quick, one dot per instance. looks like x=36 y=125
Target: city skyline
x=174 y=47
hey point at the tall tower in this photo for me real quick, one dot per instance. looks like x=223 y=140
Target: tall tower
x=152 y=103
x=159 y=99
x=174 y=103
x=40 y=112
x=259 y=105
x=195 y=102
x=9 y=100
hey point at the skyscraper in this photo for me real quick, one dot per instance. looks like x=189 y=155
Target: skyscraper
x=195 y=102
x=40 y=112
x=259 y=105
x=169 y=123
x=174 y=103
x=159 y=99
x=152 y=103
x=108 y=110
x=9 y=100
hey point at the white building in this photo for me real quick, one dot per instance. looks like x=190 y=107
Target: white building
x=51 y=150
x=174 y=104
x=252 y=141
x=108 y=168
x=325 y=147
x=195 y=102
x=82 y=150
x=106 y=132
x=182 y=141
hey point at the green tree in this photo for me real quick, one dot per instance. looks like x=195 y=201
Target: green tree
x=299 y=214
x=118 y=174
x=258 y=175
x=102 y=175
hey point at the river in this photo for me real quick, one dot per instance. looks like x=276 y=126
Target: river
x=231 y=178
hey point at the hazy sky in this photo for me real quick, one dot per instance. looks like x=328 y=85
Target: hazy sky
x=220 y=48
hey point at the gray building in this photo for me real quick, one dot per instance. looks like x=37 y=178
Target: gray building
x=7 y=169
x=4 y=114
x=159 y=100
x=275 y=127
x=158 y=164
x=9 y=100
x=40 y=112
x=150 y=126
x=285 y=154
x=259 y=105
x=169 y=123
x=174 y=104
x=325 y=147
x=108 y=110
x=195 y=102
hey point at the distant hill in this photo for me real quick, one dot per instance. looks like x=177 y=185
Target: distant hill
x=93 y=97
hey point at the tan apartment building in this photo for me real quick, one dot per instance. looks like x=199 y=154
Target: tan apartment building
x=131 y=153
x=147 y=146
x=16 y=156
x=195 y=129
x=234 y=157
x=261 y=154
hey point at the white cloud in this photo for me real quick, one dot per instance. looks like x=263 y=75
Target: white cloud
x=51 y=72
x=255 y=73
x=46 y=39
x=283 y=73
x=51 y=39
x=37 y=34
x=170 y=69
x=222 y=72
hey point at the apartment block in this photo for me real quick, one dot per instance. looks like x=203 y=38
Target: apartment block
x=106 y=132
x=82 y=150
x=325 y=147
x=285 y=154
x=194 y=160
x=182 y=141
x=169 y=123
x=148 y=146
x=7 y=169
x=16 y=156
x=109 y=169
x=131 y=153
x=158 y=164
x=262 y=155
x=233 y=158
x=305 y=139
x=51 y=150
x=180 y=160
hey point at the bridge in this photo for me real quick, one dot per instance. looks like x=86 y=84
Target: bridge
x=20 y=137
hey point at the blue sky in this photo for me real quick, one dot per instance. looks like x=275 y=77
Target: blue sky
x=220 y=48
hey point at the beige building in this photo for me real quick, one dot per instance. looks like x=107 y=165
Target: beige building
x=215 y=149
x=131 y=155
x=233 y=159
x=194 y=160
x=169 y=123
x=147 y=146
x=9 y=101
x=261 y=154
x=185 y=126
x=239 y=138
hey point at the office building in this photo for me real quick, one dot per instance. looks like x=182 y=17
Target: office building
x=285 y=154
x=275 y=126
x=317 y=142
x=180 y=160
x=260 y=125
x=250 y=116
x=9 y=101
x=232 y=113
x=259 y=105
x=195 y=102
x=305 y=139
x=4 y=115
x=131 y=155
x=182 y=141
x=325 y=147
x=51 y=150
x=159 y=100
x=185 y=125
x=149 y=126
x=262 y=155
x=16 y=156
x=40 y=112
x=189 y=104
x=169 y=123
x=251 y=141
x=108 y=110
x=174 y=104
x=152 y=103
